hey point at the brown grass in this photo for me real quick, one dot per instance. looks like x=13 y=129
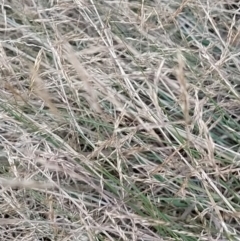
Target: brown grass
x=119 y=120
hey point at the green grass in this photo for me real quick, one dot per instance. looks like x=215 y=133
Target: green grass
x=119 y=120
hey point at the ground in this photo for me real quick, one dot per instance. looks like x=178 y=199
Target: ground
x=119 y=120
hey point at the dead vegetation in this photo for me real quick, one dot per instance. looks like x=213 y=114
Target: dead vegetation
x=119 y=120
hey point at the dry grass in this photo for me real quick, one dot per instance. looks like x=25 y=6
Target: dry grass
x=119 y=120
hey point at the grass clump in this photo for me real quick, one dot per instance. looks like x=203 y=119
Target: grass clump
x=119 y=120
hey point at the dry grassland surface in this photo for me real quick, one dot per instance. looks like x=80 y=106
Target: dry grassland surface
x=119 y=120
